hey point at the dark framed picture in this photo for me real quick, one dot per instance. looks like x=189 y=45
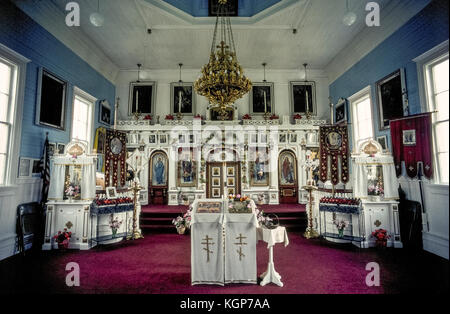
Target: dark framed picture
x=392 y=98
x=36 y=169
x=383 y=141
x=303 y=97
x=231 y=7
x=51 y=100
x=142 y=98
x=261 y=99
x=60 y=148
x=105 y=112
x=341 y=111
x=182 y=98
x=52 y=149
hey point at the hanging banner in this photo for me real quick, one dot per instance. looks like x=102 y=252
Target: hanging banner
x=115 y=155
x=411 y=143
x=334 y=144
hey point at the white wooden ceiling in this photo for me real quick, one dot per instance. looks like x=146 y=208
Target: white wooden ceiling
x=177 y=37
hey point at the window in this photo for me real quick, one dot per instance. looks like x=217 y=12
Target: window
x=437 y=77
x=7 y=74
x=362 y=122
x=12 y=81
x=432 y=69
x=82 y=118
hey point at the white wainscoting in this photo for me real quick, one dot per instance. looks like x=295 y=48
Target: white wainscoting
x=25 y=191
x=435 y=240
x=435 y=219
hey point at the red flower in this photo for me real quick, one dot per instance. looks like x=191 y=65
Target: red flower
x=246 y=117
x=148 y=117
x=297 y=117
x=274 y=117
x=170 y=117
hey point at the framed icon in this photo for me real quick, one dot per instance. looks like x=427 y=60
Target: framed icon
x=230 y=171
x=303 y=97
x=216 y=171
x=383 y=141
x=60 y=148
x=182 y=98
x=111 y=192
x=293 y=138
x=25 y=169
x=152 y=139
x=341 y=111
x=261 y=99
x=409 y=137
x=216 y=192
x=230 y=182
x=162 y=138
x=231 y=191
x=282 y=138
x=142 y=98
x=216 y=182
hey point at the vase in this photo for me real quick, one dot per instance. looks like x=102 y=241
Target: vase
x=341 y=233
x=181 y=230
x=114 y=232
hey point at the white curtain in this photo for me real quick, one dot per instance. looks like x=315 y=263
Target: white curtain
x=360 y=181
x=390 y=182
x=56 y=187
x=88 y=184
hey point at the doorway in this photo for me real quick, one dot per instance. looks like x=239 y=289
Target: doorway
x=287 y=177
x=158 y=178
x=223 y=179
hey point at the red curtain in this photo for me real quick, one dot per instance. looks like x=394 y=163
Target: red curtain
x=410 y=151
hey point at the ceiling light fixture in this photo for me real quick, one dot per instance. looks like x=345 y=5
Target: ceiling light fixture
x=349 y=18
x=139 y=73
x=222 y=80
x=96 y=18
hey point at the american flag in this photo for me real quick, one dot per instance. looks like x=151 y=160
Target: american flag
x=45 y=172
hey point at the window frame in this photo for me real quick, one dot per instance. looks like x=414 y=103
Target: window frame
x=78 y=92
x=424 y=64
x=15 y=113
x=366 y=91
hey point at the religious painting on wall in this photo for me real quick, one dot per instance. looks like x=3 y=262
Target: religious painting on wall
x=105 y=112
x=51 y=100
x=341 y=111
x=259 y=166
x=287 y=168
x=303 y=97
x=182 y=98
x=142 y=98
x=216 y=116
x=187 y=169
x=159 y=168
x=261 y=99
x=392 y=98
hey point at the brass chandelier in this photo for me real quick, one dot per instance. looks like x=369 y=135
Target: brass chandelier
x=222 y=80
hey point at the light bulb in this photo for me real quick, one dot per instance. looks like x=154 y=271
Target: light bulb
x=349 y=18
x=97 y=19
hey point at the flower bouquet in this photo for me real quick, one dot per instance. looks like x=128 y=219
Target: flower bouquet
x=72 y=191
x=114 y=224
x=63 y=239
x=381 y=236
x=341 y=225
x=183 y=222
x=239 y=204
x=148 y=117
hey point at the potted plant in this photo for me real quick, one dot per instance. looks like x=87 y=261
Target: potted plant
x=63 y=239
x=381 y=236
x=114 y=224
x=341 y=225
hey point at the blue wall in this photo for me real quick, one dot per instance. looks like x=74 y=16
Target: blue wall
x=423 y=32
x=21 y=34
x=199 y=8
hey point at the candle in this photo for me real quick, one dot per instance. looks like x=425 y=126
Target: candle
x=265 y=102
x=307 y=101
x=137 y=101
x=179 y=101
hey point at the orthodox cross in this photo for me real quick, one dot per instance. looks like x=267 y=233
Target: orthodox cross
x=207 y=242
x=241 y=238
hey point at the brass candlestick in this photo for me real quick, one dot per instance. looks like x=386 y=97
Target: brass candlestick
x=136 y=234
x=310 y=233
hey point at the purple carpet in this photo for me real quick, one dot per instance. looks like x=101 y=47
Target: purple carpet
x=161 y=264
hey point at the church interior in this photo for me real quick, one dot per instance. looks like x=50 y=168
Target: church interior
x=204 y=147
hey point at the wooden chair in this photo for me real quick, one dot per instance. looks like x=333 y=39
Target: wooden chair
x=29 y=227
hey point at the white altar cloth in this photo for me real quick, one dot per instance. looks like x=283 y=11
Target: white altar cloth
x=240 y=248
x=207 y=251
x=273 y=236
